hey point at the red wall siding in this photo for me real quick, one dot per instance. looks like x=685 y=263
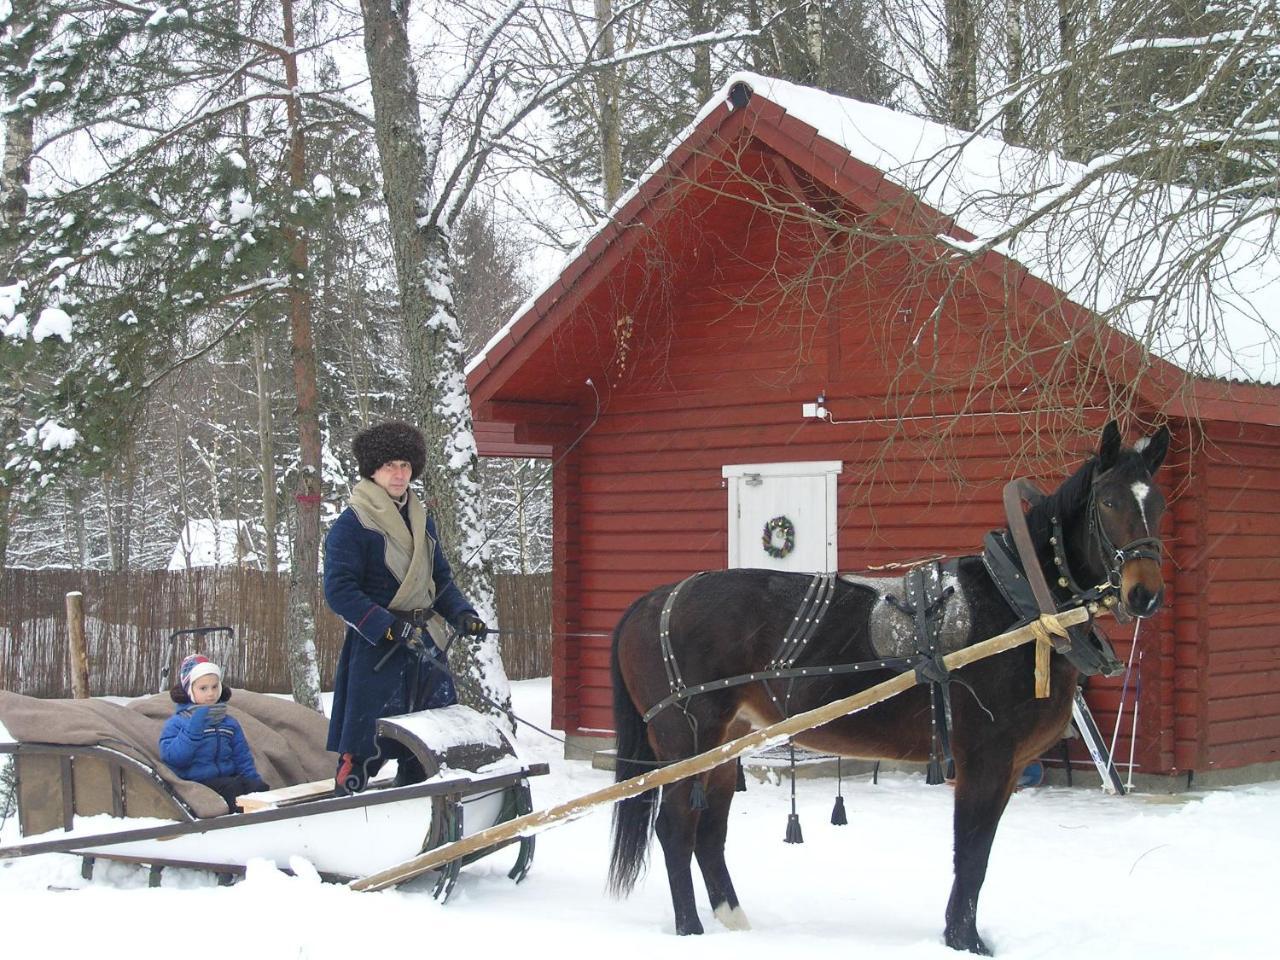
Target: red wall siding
x=720 y=380
x=1241 y=685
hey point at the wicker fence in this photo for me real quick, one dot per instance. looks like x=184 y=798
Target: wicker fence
x=130 y=617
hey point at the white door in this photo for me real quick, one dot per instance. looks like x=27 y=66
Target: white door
x=792 y=506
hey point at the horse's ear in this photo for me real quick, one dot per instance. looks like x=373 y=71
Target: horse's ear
x=1154 y=448
x=1109 y=449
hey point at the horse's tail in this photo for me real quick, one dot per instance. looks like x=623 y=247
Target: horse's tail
x=633 y=817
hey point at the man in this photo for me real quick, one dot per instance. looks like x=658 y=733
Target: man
x=386 y=576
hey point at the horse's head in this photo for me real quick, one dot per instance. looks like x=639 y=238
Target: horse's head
x=1121 y=542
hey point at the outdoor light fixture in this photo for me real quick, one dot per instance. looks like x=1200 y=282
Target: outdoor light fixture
x=815 y=411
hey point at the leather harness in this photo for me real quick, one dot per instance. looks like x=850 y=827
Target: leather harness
x=1010 y=560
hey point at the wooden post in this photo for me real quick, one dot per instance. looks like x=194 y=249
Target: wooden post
x=77 y=655
x=573 y=809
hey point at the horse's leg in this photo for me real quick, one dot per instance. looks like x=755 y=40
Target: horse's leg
x=677 y=827
x=713 y=827
x=984 y=784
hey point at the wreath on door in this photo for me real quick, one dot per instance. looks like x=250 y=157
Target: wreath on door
x=776 y=526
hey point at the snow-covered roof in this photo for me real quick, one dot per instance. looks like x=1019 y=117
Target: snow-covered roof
x=1195 y=282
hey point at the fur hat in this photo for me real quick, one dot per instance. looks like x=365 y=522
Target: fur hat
x=194 y=667
x=391 y=440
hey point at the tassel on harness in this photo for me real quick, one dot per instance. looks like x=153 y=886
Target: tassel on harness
x=838 y=818
x=697 y=795
x=794 y=834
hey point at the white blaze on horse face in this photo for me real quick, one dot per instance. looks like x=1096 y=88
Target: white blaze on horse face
x=1140 y=492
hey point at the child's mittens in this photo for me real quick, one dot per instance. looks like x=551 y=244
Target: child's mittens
x=198 y=720
x=216 y=712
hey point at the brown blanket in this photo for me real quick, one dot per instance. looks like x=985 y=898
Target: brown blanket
x=287 y=740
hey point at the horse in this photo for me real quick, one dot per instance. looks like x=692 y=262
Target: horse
x=731 y=624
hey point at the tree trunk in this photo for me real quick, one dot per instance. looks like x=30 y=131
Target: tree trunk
x=6 y=522
x=128 y=501
x=1014 y=108
x=437 y=387
x=1068 y=37
x=813 y=45
x=14 y=177
x=761 y=61
x=266 y=449
x=608 y=97
x=77 y=529
x=962 y=64
x=300 y=625
x=699 y=22
x=439 y=397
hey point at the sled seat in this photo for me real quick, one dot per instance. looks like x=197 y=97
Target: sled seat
x=87 y=757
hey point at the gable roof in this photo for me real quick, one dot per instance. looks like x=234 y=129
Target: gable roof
x=921 y=178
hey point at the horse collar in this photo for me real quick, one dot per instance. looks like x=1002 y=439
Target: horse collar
x=1102 y=594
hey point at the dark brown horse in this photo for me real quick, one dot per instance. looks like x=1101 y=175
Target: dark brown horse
x=730 y=623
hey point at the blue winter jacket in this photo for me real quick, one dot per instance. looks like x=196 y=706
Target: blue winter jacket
x=196 y=749
x=358 y=585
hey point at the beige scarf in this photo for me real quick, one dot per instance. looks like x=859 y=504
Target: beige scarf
x=410 y=551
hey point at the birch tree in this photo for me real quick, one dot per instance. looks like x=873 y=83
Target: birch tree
x=431 y=163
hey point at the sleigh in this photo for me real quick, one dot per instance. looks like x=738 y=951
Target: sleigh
x=90 y=782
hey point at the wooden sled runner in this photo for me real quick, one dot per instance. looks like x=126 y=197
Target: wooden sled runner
x=90 y=782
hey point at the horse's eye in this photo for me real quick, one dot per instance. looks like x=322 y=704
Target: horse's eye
x=1108 y=503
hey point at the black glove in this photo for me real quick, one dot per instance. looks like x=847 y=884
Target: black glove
x=402 y=631
x=472 y=626
x=216 y=712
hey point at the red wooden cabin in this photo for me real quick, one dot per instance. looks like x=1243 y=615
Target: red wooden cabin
x=760 y=267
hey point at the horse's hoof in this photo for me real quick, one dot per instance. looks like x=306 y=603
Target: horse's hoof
x=688 y=930
x=733 y=918
x=970 y=942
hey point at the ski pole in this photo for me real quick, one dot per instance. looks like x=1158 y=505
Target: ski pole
x=1133 y=738
x=1124 y=689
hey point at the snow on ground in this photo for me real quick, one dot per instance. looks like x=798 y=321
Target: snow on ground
x=1074 y=874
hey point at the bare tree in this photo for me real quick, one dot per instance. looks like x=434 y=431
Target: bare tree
x=430 y=167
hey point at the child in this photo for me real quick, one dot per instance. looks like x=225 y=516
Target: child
x=200 y=742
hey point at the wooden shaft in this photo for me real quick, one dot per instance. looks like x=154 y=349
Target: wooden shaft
x=1042 y=669
x=77 y=655
x=573 y=809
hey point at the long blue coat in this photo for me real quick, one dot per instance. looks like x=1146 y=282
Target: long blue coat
x=358 y=586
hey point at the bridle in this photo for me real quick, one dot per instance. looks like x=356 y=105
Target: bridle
x=1109 y=557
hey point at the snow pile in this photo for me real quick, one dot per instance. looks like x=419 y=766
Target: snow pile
x=1075 y=875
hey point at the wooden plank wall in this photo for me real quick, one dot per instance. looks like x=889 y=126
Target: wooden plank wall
x=722 y=382
x=1242 y=668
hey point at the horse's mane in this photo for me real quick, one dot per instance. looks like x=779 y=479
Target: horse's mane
x=1071 y=497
